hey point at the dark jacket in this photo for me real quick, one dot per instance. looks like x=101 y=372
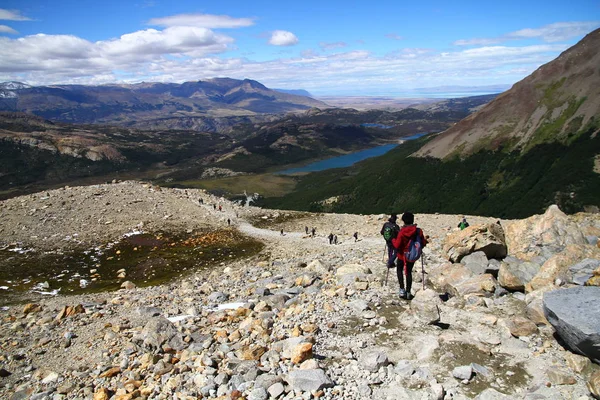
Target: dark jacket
x=394 y=226
x=403 y=239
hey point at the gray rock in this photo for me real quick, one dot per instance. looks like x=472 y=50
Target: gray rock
x=258 y=394
x=374 y=360
x=575 y=315
x=276 y=390
x=359 y=305
x=364 y=390
x=306 y=380
x=514 y=276
x=159 y=332
x=425 y=306
x=286 y=346
x=149 y=311
x=480 y=370
x=267 y=380
x=477 y=262
x=263 y=291
x=463 y=372
x=277 y=300
x=593 y=240
x=584 y=270
x=404 y=368
x=217 y=297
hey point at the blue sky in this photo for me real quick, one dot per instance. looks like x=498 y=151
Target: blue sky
x=326 y=47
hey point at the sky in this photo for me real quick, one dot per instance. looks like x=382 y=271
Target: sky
x=328 y=47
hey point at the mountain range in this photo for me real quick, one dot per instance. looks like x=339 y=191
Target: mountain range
x=200 y=105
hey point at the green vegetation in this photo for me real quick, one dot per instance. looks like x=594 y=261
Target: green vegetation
x=265 y=184
x=507 y=185
x=550 y=130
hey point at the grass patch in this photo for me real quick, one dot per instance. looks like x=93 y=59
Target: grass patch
x=264 y=184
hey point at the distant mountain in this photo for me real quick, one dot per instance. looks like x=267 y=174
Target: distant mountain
x=464 y=89
x=297 y=92
x=142 y=103
x=558 y=102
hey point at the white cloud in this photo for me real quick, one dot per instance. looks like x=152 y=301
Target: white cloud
x=557 y=32
x=202 y=20
x=12 y=15
x=332 y=46
x=7 y=29
x=283 y=38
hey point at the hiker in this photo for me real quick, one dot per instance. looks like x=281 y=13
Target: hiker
x=408 y=233
x=215 y=207
x=228 y=222
x=330 y=237
x=463 y=224
x=282 y=232
x=201 y=201
x=312 y=231
x=220 y=208
x=306 y=229
x=389 y=231
x=355 y=236
x=334 y=239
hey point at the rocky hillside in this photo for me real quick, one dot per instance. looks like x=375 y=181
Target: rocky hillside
x=558 y=102
x=304 y=319
x=201 y=104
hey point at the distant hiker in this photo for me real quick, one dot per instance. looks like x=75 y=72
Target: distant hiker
x=389 y=231
x=201 y=201
x=228 y=222
x=334 y=239
x=330 y=237
x=220 y=208
x=282 y=232
x=312 y=231
x=463 y=224
x=409 y=242
x=214 y=207
x=306 y=229
x=355 y=236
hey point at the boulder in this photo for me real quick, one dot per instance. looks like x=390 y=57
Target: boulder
x=488 y=238
x=286 y=347
x=593 y=384
x=576 y=362
x=583 y=271
x=352 y=269
x=477 y=262
x=449 y=275
x=559 y=376
x=529 y=237
x=520 y=326
x=575 y=315
x=425 y=306
x=374 y=360
x=463 y=372
x=535 y=307
x=160 y=332
x=307 y=380
x=302 y=352
x=514 y=276
x=557 y=266
x=484 y=285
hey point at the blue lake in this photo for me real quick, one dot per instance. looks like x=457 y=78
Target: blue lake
x=347 y=159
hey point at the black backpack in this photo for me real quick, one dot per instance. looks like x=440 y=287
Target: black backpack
x=390 y=231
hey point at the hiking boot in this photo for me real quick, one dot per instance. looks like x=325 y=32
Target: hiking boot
x=409 y=296
x=402 y=294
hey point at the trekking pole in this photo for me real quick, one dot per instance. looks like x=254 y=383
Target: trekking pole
x=384 y=249
x=386 y=275
x=423 y=270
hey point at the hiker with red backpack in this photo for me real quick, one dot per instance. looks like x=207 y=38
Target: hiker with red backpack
x=409 y=242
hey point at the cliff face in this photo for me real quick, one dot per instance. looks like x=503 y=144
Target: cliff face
x=557 y=102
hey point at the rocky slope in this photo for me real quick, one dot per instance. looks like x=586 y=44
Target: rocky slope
x=302 y=319
x=201 y=103
x=558 y=102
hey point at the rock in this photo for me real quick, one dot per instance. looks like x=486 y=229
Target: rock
x=301 y=353
x=305 y=280
x=317 y=266
x=535 y=307
x=160 y=332
x=286 y=347
x=4 y=373
x=69 y=311
x=359 y=305
x=218 y=297
x=374 y=360
x=276 y=390
x=307 y=380
x=488 y=238
x=258 y=394
x=109 y=373
x=437 y=391
x=145 y=311
x=482 y=371
x=425 y=347
x=557 y=266
x=253 y=352
x=514 y=276
x=520 y=326
x=583 y=271
x=404 y=368
x=102 y=394
x=484 y=285
x=425 y=306
x=50 y=377
x=448 y=276
x=575 y=315
x=361 y=285
x=559 y=377
x=31 y=308
x=463 y=372
x=576 y=362
x=593 y=384
x=353 y=269
x=493 y=394
x=128 y=285
x=528 y=238
x=477 y=262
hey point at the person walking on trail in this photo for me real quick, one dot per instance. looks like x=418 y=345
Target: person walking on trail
x=220 y=208
x=281 y=232
x=334 y=239
x=306 y=229
x=355 y=236
x=463 y=223
x=408 y=235
x=389 y=231
x=228 y=222
x=313 y=230
x=330 y=237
